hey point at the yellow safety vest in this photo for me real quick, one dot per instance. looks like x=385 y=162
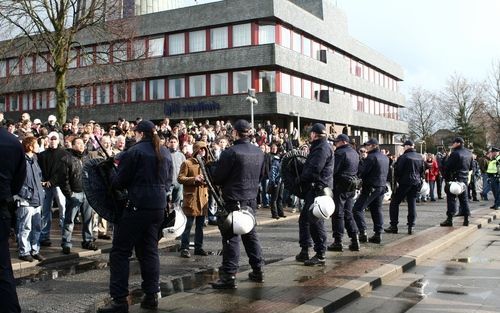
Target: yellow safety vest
x=492 y=166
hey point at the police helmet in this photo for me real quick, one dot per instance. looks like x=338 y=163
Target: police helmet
x=173 y=231
x=457 y=188
x=323 y=205
x=388 y=193
x=239 y=222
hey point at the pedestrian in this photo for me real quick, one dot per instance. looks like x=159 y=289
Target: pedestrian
x=474 y=177
x=493 y=172
x=483 y=163
x=432 y=174
x=373 y=172
x=176 y=191
x=316 y=175
x=195 y=203
x=12 y=177
x=145 y=171
x=29 y=224
x=457 y=167
x=239 y=172
x=275 y=184
x=409 y=172
x=344 y=176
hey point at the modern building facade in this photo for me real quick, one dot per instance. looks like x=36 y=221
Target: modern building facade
x=199 y=62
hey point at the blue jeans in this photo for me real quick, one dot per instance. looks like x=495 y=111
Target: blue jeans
x=263 y=193
x=486 y=186
x=77 y=201
x=177 y=196
x=29 y=227
x=198 y=232
x=50 y=193
x=432 y=187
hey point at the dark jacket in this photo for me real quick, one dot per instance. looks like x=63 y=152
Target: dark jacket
x=50 y=162
x=32 y=190
x=346 y=162
x=239 y=171
x=318 y=168
x=12 y=166
x=266 y=169
x=146 y=183
x=275 y=175
x=409 y=168
x=72 y=172
x=458 y=165
x=374 y=169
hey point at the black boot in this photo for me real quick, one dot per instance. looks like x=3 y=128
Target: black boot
x=226 y=281
x=391 y=229
x=410 y=230
x=116 y=306
x=354 y=246
x=256 y=275
x=362 y=236
x=466 y=220
x=150 y=301
x=303 y=255
x=376 y=238
x=448 y=222
x=336 y=245
x=318 y=259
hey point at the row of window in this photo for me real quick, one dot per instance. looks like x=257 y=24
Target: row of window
x=194 y=41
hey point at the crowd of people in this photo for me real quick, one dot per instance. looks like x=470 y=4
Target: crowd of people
x=54 y=156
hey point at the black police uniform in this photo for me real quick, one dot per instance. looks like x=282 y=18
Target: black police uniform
x=344 y=174
x=147 y=184
x=12 y=176
x=457 y=167
x=317 y=174
x=373 y=172
x=409 y=172
x=239 y=172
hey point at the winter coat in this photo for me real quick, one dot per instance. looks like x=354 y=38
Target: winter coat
x=433 y=170
x=32 y=190
x=195 y=202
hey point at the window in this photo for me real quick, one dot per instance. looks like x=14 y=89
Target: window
x=354 y=102
x=14 y=104
x=155 y=46
x=86 y=96
x=286 y=40
x=71 y=92
x=2 y=104
x=296 y=42
x=40 y=64
x=87 y=56
x=218 y=38
x=3 y=68
x=286 y=83
x=119 y=52
x=242 y=35
x=315 y=50
x=307 y=89
x=197 y=86
x=218 y=84
x=267 y=81
x=241 y=81
x=266 y=34
x=119 y=92
x=316 y=91
x=27 y=101
x=197 y=41
x=72 y=59
x=103 y=94
x=27 y=65
x=176 y=88
x=102 y=54
x=297 y=86
x=138 y=91
x=52 y=99
x=14 y=67
x=306 y=42
x=41 y=100
x=176 y=44
x=139 y=49
x=157 y=89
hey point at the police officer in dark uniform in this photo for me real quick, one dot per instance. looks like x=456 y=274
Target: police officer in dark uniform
x=409 y=173
x=316 y=175
x=12 y=175
x=239 y=172
x=456 y=168
x=145 y=170
x=344 y=176
x=373 y=172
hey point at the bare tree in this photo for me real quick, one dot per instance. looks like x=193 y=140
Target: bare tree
x=462 y=102
x=421 y=114
x=52 y=29
x=492 y=109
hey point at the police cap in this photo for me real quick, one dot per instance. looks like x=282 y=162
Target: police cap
x=341 y=137
x=371 y=141
x=318 y=128
x=242 y=126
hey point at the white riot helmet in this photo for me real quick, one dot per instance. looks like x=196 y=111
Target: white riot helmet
x=425 y=189
x=239 y=222
x=388 y=193
x=323 y=205
x=174 y=231
x=457 y=188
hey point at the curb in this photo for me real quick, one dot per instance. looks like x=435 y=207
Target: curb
x=350 y=291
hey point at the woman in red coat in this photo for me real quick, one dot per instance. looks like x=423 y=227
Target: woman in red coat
x=431 y=173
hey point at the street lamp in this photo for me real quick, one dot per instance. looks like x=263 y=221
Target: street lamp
x=251 y=98
x=297 y=114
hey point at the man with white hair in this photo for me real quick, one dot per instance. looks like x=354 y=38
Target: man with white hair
x=51 y=124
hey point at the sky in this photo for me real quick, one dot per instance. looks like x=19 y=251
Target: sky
x=430 y=39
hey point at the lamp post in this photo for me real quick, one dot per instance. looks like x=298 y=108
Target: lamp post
x=251 y=98
x=297 y=114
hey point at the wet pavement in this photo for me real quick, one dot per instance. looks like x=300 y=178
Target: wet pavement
x=79 y=282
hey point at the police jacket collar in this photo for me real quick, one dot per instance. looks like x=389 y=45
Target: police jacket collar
x=410 y=150
x=242 y=140
x=374 y=150
x=318 y=141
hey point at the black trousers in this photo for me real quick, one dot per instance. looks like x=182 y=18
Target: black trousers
x=451 y=202
x=277 y=200
x=9 y=302
x=410 y=193
x=343 y=218
x=371 y=198
x=311 y=229
x=137 y=228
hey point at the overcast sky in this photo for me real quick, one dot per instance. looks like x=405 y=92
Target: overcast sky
x=431 y=39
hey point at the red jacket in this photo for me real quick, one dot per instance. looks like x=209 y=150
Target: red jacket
x=433 y=171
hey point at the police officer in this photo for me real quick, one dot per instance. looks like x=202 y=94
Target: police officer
x=12 y=175
x=409 y=172
x=344 y=176
x=239 y=172
x=145 y=170
x=493 y=172
x=456 y=168
x=373 y=172
x=316 y=175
